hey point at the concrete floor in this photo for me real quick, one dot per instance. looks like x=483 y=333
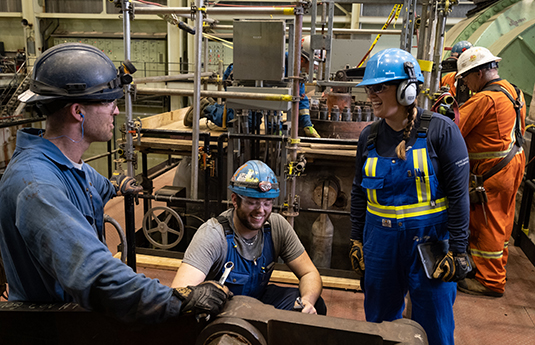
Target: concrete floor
x=479 y=320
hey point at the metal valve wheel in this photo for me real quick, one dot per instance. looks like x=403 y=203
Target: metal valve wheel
x=163 y=220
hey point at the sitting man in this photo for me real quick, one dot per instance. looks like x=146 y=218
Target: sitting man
x=253 y=238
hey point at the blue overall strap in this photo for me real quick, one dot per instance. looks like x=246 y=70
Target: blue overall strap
x=372 y=137
x=425 y=119
x=249 y=277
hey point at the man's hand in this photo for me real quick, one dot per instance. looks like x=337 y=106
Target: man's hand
x=208 y=297
x=125 y=185
x=453 y=267
x=357 y=258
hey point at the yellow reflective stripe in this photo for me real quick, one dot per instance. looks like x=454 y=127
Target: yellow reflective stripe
x=407 y=211
x=370 y=169
x=486 y=255
x=423 y=189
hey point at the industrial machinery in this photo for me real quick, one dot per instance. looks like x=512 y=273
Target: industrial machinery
x=243 y=321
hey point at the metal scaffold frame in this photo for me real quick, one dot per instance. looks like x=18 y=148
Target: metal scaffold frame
x=433 y=13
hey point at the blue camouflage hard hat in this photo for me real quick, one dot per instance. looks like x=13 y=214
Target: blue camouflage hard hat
x=255 y=179
x=388 y=65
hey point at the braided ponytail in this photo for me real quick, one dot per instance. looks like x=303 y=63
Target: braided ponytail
x=400 y=149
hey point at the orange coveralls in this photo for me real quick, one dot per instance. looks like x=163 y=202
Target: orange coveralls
x=449 y=80
x=487 y=123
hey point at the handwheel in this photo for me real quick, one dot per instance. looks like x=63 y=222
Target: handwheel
x=162 y=226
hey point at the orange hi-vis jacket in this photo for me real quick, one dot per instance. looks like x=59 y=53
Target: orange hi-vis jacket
x=449 y=80
x=487 y=123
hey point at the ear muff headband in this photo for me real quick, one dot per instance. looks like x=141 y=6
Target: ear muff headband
x=408 y=89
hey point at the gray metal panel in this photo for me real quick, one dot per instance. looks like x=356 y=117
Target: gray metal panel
x=259 y=50
x=256 y=104
x=349 y=51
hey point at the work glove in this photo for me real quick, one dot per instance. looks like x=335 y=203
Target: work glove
x=357 y=258
x=207 y=298
x=125 y=185
x=452 y=267
x=205 y=102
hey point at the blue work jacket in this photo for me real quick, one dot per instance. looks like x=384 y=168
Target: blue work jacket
x=51 y=240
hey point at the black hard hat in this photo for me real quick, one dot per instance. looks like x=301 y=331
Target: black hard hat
x=74 y=72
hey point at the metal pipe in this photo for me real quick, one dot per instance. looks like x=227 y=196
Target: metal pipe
x=166 y=78
x=129 y=215
x=329 y=42
x=196 y=102
x=102 y=155
x=216 y=94
x=288 y=11
x=293 y=146
x=439 y=44
x=312 y=29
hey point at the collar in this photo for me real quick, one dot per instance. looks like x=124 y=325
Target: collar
x=31 y=138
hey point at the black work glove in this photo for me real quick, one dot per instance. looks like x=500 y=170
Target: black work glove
x=452 y=267
x=125 y=185
x=357 y=258
x=208 y=298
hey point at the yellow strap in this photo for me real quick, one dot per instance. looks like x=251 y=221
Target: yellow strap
x=294 y=141
x=425 y=65
x=395 y=12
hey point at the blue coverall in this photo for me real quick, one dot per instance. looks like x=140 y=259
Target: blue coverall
x=398 y=204
x=52 y=243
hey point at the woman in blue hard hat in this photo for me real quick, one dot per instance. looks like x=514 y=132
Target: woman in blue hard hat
x=410 y=187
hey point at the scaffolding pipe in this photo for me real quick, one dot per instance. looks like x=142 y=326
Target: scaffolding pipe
x=216 y=94
x=196 y=101
x=129 y=214
x=439 y=45
x=167 y=78
x=293 y=146
x=312 y=30
x=289 y=11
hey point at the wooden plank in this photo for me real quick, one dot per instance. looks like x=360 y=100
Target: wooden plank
x=287 y=277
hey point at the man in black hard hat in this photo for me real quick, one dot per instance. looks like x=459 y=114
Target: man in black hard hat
x=51 y=219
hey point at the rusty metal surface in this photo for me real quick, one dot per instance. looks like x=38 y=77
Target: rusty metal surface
x=288 y=327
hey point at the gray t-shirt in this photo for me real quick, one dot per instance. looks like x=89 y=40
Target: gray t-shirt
x=208 y=249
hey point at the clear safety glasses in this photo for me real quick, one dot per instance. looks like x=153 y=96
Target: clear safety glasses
x=256 y=203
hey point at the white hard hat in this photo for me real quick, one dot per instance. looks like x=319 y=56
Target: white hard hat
x=474 y=57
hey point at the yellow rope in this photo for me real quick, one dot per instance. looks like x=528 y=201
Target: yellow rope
x=395 y=12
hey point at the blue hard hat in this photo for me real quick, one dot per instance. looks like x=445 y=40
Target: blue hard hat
x=388 y=65
x=460 y=47
x=255 y=179
x=74 y=72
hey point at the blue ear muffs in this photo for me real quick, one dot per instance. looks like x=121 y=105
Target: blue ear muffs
x=408 y=89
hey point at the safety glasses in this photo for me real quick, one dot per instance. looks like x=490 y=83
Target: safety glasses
x=256 y=203
x=375 y=89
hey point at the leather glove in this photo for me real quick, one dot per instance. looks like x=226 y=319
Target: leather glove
x=357 y=258
x=452 y=267
x=125 y=185
x=208 y=297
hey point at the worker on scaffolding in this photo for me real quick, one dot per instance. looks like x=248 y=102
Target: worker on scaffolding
x=449 y=80
x=410 y=187
x=252 y=238
x=219 y=114
x=52 y=220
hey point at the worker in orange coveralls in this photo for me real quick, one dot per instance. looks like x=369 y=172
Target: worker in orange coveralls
x=491 y=127
x=449 y=79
